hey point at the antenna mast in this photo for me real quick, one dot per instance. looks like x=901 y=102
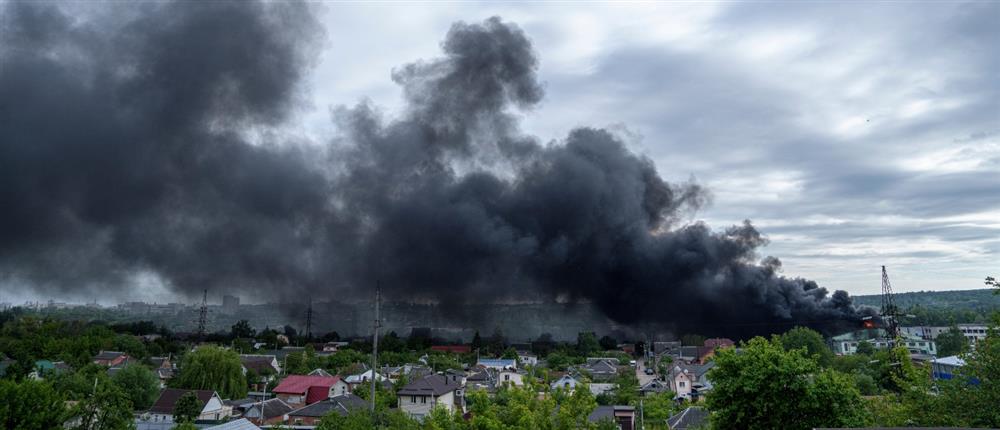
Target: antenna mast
x=890 y=313
x=378 y=323
x=203 y=315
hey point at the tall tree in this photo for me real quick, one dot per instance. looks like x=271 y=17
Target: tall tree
x=811 y=341
x=187 y=408
x=108 y=409
x=242 y=329
x=789 y=390
x=140 y=384
x=608 y=343
x=216 y=369
x=951 y=342
x=586 y=343
x=30 y=405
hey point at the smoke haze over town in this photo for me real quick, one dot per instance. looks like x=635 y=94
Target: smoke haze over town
x=160 y=149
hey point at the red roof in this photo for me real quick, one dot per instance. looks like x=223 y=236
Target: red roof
x=315 y=388
x=458 y=349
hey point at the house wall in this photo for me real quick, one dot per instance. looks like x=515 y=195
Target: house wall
x=214 y=410
x=682 y=384
x=511 y=378
x=339 y=388
x=423 y=404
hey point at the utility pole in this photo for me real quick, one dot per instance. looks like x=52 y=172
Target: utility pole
x=309 y=320
x=378 y=323
x=203 y=315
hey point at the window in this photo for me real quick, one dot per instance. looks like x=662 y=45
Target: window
x=413 y=399
x=423 y=399
x=680 y=384
x=506 y=377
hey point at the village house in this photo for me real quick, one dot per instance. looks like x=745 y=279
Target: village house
x=301 y=390
x=420 y=396
x=600 y=370
x=260 y=364
x=690 y=381
x=110 y=358
x=240 y=424
x=602 y=388
x=654 y=386
x=566 y=382
x=354 y=380
x=312 y=414
x=497 y=363
x=510 y=377
x=622 y=415
x=526 y=358
x=274 y=411
x=162 y=411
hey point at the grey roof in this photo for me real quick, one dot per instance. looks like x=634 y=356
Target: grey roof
x=655 y=386
x=240 y=424
x=697 y=369
x=601 y=367
x=319 y=372
x=341 y=404
x=429 y=385
x=272 y=408
x=690 y=418
x=607 y=411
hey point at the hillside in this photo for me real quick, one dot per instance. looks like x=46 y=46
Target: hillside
x=941 y=307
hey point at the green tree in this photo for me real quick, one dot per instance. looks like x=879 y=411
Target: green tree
x=30 y=405
x=108 y=409
x=587 y=344
x=865 y=348
x=608 y=343
x=951 y=342
x=140 y=384
x=789 y=390
x=187 y=408
x=242 y=329
x=216 y=369
x=979 y=387
x=811 y=341
x=477 y=341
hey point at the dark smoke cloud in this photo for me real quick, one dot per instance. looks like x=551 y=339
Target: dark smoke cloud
x=137 y=147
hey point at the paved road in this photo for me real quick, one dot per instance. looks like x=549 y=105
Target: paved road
x=640 y=373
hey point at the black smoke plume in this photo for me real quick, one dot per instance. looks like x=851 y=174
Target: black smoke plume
x=152 y=139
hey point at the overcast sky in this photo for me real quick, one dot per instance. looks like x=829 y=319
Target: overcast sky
x=852 y=135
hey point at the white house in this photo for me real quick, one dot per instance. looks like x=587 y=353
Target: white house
x=162 y=410
x=420 y=396
x=566 y=382
x=354 y=380
x=510 y=377
x=527 y=358
x=497 y=363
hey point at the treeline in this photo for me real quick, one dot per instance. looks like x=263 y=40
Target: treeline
x=941 y=308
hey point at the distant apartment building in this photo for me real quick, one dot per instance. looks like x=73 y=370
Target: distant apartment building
x=972 y=332
x=230 y=304
x=847 y=343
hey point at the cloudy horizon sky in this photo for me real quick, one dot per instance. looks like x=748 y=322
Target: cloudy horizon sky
x=852 y=135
